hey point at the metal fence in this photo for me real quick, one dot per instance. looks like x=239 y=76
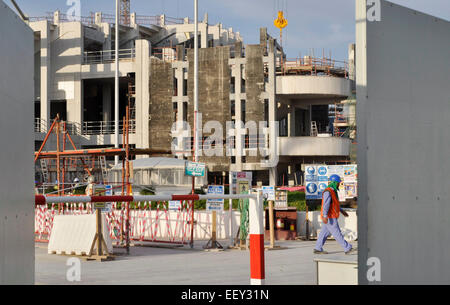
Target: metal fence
x=41 y=125
x=108 y=56
x=86 y=128
x=105 y=127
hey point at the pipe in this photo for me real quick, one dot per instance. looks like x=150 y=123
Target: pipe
x=22 y=15
x=41 y=199
x=116 y=94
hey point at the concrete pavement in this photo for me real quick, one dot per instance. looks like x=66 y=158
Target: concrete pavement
x=185 y=266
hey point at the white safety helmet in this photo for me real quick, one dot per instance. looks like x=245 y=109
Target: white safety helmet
x=76 y=180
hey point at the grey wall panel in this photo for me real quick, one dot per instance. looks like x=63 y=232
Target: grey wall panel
x=403 y=98
x=16 y=151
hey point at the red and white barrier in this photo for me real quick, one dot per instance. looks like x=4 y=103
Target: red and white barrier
x=41 y=199
x=256 y=225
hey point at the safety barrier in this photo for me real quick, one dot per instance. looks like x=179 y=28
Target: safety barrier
x=158 y=224
x=118 y=216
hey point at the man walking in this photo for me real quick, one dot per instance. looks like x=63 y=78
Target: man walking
x=330 y=214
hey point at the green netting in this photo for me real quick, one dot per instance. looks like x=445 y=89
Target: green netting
x=243 y=209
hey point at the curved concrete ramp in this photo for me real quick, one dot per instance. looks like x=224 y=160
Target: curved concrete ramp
x=313 y=87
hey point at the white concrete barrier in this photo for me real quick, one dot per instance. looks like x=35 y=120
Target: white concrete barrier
x=74 y=234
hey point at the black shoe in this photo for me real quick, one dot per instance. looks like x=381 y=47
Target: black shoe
x=320 y=252
x=351 y=251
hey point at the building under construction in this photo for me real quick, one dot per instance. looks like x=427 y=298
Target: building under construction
x=74 y=78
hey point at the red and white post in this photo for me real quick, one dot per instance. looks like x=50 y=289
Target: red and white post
x=256 y=224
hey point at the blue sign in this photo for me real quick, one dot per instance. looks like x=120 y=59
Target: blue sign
x=269 y=192
x=322 y=187
x=174 y=205
x=108 y=190
x=322 y=171
x=215 y=204
x=311 y=188
x=323 y=178
x=195 y=169
x=311 y=170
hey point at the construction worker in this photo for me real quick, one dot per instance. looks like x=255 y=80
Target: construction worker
x=330 y=214
x=90 y=189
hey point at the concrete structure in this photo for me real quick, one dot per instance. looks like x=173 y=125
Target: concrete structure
x=328 y=266
x=237 y=83
x=403 y=91
x=16 y=163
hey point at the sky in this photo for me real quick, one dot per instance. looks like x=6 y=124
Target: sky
x=319 y=26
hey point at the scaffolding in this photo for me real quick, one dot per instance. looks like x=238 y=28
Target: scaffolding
x=125 y=12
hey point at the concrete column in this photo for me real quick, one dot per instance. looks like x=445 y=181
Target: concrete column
x=98 y=18
x=75 y=103
x=351 y=61
x=291 y=121
x=273 y=176
x=271 y=90
x=133 y=20
x=56 y=17
x=179 y=74
x=46 y=75
x=238 y=50
x=107 y=97
x=215 y=31
x=180 y=53
x=107 y=45
x=203 y=30
x=263 y=38
x=309 y=116
x=237 y=72
x=142 y=92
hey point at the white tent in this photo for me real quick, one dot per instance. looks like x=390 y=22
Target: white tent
x=165 y=175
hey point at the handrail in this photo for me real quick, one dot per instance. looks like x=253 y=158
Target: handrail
x=107 y=56
x=41 y=125
x=314 y=65
x=110 y=18
x=105 y=127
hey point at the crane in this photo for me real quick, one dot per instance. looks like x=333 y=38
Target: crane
x=125 y=12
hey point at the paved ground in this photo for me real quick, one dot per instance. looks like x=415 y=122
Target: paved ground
x=148 y=265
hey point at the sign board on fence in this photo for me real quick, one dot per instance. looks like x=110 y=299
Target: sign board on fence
x=195 y=169
x=105 y=207
x=215 y=204
x=174 y=205
x=108 y=190
x=237 y=177
x=316 y=180
x=281 y=201
x=269 y=192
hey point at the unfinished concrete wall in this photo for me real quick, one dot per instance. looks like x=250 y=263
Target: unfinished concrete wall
x=214 y=94
x=403 y=110
x=16 y=157
x=160 y=109
x=254 y=87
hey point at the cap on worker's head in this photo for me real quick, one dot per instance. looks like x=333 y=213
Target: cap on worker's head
x=335 y=178
x=76 y=180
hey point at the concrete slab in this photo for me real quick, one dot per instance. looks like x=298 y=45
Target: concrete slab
x=178 y=266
